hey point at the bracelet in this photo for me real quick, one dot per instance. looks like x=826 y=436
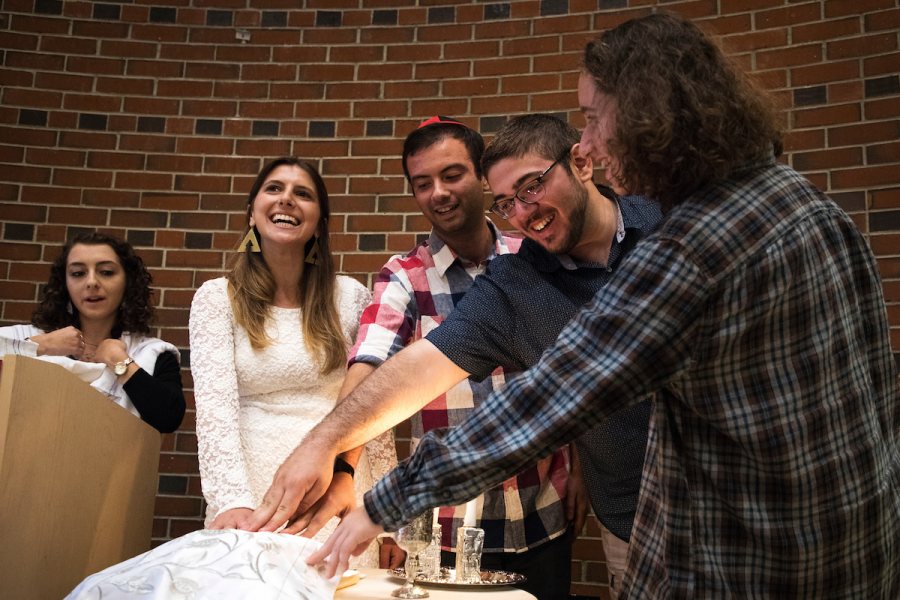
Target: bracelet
x=342 y=466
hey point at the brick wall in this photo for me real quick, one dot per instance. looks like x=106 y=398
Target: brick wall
x=149 y=120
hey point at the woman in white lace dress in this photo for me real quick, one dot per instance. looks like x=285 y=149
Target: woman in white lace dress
x=269 y=347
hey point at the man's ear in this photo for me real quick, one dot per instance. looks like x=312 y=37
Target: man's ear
x=484 y=185
x=583 y=166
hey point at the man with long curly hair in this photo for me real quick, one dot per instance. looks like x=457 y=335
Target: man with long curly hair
x=755 y=313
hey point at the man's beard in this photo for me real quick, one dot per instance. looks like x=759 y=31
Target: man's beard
x=576 y=221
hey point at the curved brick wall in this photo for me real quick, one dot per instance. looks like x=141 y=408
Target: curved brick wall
x=150 y=119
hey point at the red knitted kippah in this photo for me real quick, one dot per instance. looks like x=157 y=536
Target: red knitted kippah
x=439 y=119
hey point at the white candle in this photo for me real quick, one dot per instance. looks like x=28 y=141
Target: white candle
x=434 y=516
x=469 y=519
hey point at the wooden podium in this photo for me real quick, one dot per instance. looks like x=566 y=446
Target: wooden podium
x=77 y=480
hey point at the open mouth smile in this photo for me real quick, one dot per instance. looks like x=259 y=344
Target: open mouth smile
x=542 y=224
x=443 y=210
x=282 y=220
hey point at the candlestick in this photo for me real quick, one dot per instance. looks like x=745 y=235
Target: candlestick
x=469 y=544
x=469 y=519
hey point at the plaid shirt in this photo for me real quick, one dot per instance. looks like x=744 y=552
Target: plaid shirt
x=773 y=464
x=413 y=295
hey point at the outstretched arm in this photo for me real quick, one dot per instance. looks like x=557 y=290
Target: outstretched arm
x=635 y=336
x=391 y=394
x=350 y=538
x=340 y=497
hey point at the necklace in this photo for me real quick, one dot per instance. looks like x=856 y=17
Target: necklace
x=90 y=350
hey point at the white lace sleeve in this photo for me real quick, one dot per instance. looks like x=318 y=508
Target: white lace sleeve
x=382 y=455
x=223 y=474
x=355 y=297
x=381 y=451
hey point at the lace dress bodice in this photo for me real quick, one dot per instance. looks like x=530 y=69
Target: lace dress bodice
x=255 y=406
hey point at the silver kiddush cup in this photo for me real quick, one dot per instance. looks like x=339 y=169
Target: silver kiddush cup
x=430 y=558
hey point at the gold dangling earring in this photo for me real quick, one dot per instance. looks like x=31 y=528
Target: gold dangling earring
x=313 y=257
x=250 y=243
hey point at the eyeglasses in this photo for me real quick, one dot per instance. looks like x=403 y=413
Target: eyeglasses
x=529 y=193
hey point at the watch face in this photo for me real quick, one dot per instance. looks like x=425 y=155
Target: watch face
x=120 y=368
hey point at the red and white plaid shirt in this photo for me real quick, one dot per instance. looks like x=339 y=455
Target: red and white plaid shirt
x=413 y=294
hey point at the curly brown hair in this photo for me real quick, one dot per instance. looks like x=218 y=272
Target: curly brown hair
x=685 y=116
x=135 y=312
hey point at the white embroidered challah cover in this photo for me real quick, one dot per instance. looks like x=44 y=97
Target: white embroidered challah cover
x=209 y=564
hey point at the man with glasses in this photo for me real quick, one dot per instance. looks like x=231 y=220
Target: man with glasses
x=576 y=235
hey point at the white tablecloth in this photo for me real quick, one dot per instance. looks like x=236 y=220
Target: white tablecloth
x=378 y=585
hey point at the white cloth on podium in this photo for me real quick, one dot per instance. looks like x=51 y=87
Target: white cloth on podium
x=143 y=349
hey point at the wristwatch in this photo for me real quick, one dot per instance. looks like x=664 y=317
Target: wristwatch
x=122 y=366
x=342 y=466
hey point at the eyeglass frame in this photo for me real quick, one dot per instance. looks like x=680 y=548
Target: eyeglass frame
x=495 y=207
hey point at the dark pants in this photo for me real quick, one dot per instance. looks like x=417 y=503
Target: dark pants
x=547 y=567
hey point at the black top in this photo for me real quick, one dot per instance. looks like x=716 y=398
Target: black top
x=517 y=308
x=159 y=397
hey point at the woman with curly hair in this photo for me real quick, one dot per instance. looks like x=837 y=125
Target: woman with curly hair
x=94 y=319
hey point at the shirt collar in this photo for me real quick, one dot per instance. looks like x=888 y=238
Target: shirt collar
x=570 y=263
x=628 y=218
x=444 y=257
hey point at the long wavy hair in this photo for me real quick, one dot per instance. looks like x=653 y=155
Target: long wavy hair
x=135 y=312
x=252 y=287
x=685 y=116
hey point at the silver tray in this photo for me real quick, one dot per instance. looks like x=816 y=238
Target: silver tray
x=447 y=577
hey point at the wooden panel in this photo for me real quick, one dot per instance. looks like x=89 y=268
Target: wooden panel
x=77 y=480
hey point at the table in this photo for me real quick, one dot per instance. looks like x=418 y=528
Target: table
x=378 y=585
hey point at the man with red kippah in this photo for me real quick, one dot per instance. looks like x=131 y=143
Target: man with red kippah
x=526 y=518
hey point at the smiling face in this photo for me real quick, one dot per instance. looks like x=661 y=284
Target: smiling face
x=599 y=111
x=556 y=220
x=95 y=280
x=286 y=209
x=446 y=188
